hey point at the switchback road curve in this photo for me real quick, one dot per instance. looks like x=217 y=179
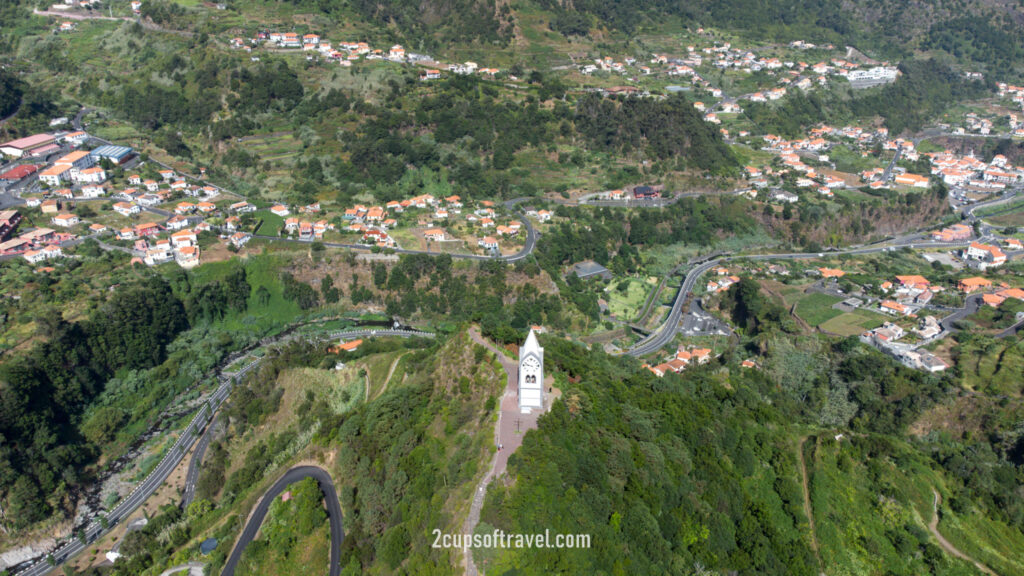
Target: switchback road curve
x=191 y=435
x=260 y=512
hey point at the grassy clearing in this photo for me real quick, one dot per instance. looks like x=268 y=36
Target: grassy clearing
x=377 y=368
x=342 y=389
x=852 y=323
x=661 y=259
x=262 y=272
x=625 y=304
x=271 y=147
x=1012 y=218
x=992 y=366
x=1018 y=203
x=816 y=308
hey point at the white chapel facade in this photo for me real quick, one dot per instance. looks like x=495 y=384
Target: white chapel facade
x=531 y=375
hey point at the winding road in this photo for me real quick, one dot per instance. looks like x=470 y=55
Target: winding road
x=296 y=474
x=191 y=435
x=664 y=334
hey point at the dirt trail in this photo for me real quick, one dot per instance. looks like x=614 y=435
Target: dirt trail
x=807 y=499
x=391 y=372
x=933 y=527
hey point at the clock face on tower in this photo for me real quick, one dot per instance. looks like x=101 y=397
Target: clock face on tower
x=531 y=363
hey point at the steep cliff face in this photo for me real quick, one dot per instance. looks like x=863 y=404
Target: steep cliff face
x=858 y=222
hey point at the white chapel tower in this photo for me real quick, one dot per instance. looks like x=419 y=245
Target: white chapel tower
x=531 y=375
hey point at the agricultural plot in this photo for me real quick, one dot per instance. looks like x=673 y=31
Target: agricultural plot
x=852 y=323
x=278 y=146
x=816 y=309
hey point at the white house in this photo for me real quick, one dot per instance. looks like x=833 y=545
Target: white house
x=37 y=256
x=93 y=191
x=92 y=175
x=126 y=209
x=65 y=220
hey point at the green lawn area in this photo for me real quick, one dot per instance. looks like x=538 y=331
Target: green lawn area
x=272 y=223
x=1015 y=204
x=850 y=161
x=626 y=304
x=1013 y=218
x=816 y=309
x=852 y=323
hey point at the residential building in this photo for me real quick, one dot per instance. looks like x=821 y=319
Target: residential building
x=51 y=206
x=127 y=208
x=987 y=255
x=968 y=285
x=912 y=180
x=54 y=175
x=239 y=239
x=45 y=253
x=65 y=220
x=92 y=175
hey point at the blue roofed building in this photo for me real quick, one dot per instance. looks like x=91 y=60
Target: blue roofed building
x=116 y=154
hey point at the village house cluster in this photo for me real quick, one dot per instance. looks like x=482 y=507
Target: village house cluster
x=973 y=173
x=375 y=222
x=907 y=295
x=1016 y=95
x=346 y=52
x=792 y=155
x=905 y=298
x=790 y=73
x=684 y=357
x=78 y=175
x=886 y=337
x=34 y=245
x=305 y=229
x=722 y=282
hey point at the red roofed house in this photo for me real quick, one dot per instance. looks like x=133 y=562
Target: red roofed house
x=65 y=220
x=147 y=229
x=345 y=346
x=434 y=234
x=893 y=307
x=913 y=281
x=18 y=172
x=993 y=300
x=988 y=255
x=969 y=285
